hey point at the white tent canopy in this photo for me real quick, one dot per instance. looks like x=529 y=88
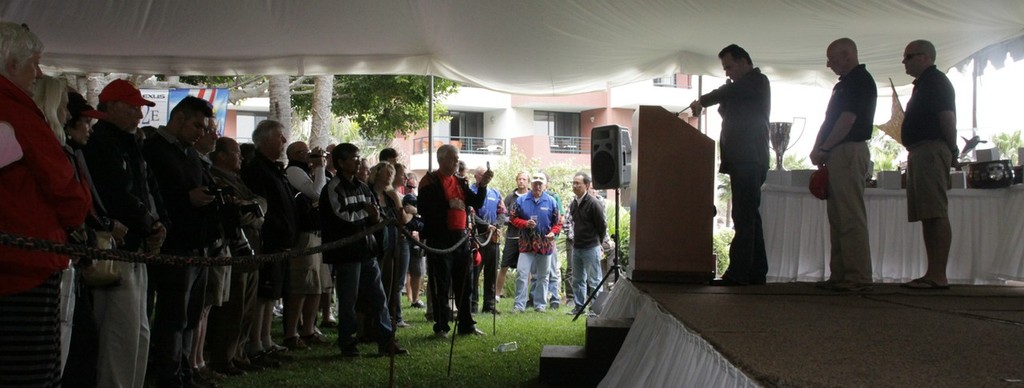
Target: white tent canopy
x=519 y=46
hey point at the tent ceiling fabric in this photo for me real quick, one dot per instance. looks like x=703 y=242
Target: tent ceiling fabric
x=522 y=46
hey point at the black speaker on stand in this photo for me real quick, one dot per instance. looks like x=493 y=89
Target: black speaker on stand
x=610 y=157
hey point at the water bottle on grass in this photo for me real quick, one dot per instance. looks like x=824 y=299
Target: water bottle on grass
x=507 y=347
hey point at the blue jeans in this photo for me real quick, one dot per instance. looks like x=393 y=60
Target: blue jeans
x=354 y=278
x=554 y=283
x=529 y=261
x=388 y=271
x=586 y=273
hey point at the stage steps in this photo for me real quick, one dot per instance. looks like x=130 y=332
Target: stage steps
x=586 y=365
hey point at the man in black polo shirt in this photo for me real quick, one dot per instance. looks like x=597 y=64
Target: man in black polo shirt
x=929 y=133
x=841 y=145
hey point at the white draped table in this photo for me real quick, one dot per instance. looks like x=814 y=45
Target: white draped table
x=987 y=248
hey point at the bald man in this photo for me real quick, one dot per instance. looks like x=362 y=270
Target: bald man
x=929 y=133
x=842 y=147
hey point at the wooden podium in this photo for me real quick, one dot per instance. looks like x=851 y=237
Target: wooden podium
x=671 y=199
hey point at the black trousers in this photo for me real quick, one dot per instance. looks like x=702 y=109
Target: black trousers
x=489 y=256
x=180 y=295
x=450 y=274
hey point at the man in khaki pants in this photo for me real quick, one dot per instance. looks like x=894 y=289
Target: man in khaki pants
x=841 y=146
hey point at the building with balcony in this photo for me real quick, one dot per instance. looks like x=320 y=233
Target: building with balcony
x=485 y=124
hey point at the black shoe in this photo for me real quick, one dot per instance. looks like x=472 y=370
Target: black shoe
x=491 y=311
x=725 y=282
x=385 y=350
x=281 y=356
x=264 y=360
x=417 y=304
x=349 y=349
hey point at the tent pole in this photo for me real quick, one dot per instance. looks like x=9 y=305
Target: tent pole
x=975 y=74
x=430 y=128
x=700 y=92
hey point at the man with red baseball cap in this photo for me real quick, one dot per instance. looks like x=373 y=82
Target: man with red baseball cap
x=121 y=178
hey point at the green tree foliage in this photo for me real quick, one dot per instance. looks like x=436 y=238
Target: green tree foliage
x=1008 y=143
x=884 y=151
x=623 y=226
x=383 y=106
x=505 y=170
x=721 y=242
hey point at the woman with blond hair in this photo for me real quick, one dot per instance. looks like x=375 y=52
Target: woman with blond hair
x=382 y=177
x=51 y=95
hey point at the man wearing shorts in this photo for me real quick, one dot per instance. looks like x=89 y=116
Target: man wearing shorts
x=929 y=133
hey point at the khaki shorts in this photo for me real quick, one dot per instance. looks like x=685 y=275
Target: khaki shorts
x=326 y=278
x=218 y=282
x=304 y=271
x=928 y=180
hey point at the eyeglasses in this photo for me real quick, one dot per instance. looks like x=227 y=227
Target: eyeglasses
x=909 y=56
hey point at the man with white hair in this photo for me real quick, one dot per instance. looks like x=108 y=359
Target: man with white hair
x=280 y=231
x=444 y=204
x=42 y=198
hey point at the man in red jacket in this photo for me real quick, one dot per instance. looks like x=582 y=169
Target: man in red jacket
x=42 y=198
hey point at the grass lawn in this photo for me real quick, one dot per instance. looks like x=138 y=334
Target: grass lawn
x=474 y=364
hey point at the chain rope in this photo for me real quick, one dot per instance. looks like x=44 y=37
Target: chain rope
x=84 y=252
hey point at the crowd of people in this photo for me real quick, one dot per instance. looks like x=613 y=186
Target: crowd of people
x=93 y=178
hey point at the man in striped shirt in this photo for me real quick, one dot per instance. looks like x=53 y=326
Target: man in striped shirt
x=349 y=208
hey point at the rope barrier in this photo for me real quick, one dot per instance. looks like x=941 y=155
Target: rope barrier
x=83 y=252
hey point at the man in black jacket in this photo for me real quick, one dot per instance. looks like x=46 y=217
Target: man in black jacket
x=444 y=201
x=265 y=177
x=122 y=178
x=744 y=103
x=589 y=231
x=180 y=290
x=348 y=208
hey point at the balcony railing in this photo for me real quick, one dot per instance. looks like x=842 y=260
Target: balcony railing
x=569 y=144
x=466 y=145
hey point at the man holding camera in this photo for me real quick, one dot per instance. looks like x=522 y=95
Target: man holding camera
x=307 y=176
x=230 y=321
x=184 y=188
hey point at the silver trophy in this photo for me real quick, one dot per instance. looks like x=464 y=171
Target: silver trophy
x=778 y=135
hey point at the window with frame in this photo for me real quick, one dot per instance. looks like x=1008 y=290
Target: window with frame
x=557 y=124
x=466 y=124
x=245 y=123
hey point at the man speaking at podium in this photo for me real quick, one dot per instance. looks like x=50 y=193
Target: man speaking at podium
x=744 y=103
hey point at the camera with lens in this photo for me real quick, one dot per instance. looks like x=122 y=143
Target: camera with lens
x=221 y=194
x=253 y=208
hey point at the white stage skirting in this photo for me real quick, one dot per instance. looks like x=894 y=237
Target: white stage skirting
x=987 y=247
x=659 y=351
